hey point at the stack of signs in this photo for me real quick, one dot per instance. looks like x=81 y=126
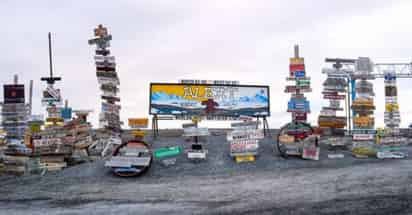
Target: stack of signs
x=244 y=140
x=14 y=111
x=334 y=88
x=298 y=104
x=391 y=139
x=107 y=78
x=21 y=164
x=363 y=108
x=52 y=100
x=53 y=146
x=80 y=132
x=196 y=138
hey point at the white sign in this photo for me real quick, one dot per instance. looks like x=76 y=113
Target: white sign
x=363 y=136
x=245 y=135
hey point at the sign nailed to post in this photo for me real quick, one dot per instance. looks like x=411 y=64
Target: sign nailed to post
x=209 y=99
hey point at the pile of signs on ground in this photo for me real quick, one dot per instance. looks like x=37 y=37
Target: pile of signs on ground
x=19 y=160
x=134 y=157
x=130 y=159
x=391 y=141
x=197 y=138
x=167 y=155
x=244 y=140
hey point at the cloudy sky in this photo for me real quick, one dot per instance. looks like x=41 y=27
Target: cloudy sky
x=164 y=41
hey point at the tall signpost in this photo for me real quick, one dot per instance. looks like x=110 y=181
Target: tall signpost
x=391 y=139
x=51 y=96
x=108 y=79
x=363 y=109
x=334 y=90
x=292 y=136
x=14 y=110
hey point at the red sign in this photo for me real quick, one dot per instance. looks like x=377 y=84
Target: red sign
x=297 y=67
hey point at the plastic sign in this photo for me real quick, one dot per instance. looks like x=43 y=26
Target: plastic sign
x=167 y=152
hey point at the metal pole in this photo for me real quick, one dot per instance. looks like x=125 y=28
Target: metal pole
x=50 y=57
x=16 y=79
x=296 y=51
x=30 y=97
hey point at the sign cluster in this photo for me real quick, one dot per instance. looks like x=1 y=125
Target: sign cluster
x=15 y=112
x=244 y=140
x=298 y=105
x=107 y=78
x=334 y=89
x=363 y=108
x=391 y=138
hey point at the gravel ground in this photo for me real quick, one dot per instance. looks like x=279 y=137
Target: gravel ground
x=271 y=185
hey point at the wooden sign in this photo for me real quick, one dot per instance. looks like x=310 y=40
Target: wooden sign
x=334 y=97
x=138 y=122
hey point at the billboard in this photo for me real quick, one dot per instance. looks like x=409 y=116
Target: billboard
x=209 y=99
x=13 y=93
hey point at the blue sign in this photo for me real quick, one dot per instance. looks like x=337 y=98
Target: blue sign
x=299 y=74
x=66 y=113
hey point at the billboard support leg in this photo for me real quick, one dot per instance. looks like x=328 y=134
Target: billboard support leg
x=265 y=126
x=155 y=127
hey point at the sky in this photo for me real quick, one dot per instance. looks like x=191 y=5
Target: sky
x=165 y=40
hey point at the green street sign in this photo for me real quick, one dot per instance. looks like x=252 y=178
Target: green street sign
x=167 y=152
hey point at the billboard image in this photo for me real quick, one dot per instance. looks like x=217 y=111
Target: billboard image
x=13 y=93
x=209 y=99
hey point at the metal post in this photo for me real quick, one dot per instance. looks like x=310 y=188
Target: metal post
x=296 y=48
x=30 y=97
x=16 y=79
x=50 y=57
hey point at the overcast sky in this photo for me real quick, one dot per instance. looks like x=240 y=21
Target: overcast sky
x=164 y=41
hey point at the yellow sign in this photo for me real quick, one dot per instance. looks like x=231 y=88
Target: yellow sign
x=391 y=107
x=244 y=158
x=297 y=61
x=138 y=133
x=138 y=122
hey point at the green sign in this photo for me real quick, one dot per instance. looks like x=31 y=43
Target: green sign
x=167 y=152
x=303 y=82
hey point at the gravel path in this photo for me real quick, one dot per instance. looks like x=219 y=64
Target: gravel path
x=271 y=185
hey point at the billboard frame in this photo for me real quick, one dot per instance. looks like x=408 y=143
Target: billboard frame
x=217 y=85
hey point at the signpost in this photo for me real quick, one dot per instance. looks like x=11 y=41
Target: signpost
x=15 y=112
x=291 y=136
x=107 y=78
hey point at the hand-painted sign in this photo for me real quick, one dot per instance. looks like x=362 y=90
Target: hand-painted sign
x=209 y=100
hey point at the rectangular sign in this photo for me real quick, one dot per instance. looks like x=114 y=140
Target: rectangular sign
x=363 y=136
x=209 y=100
x=14 y=93
x=138 y=122
x=334 y=97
